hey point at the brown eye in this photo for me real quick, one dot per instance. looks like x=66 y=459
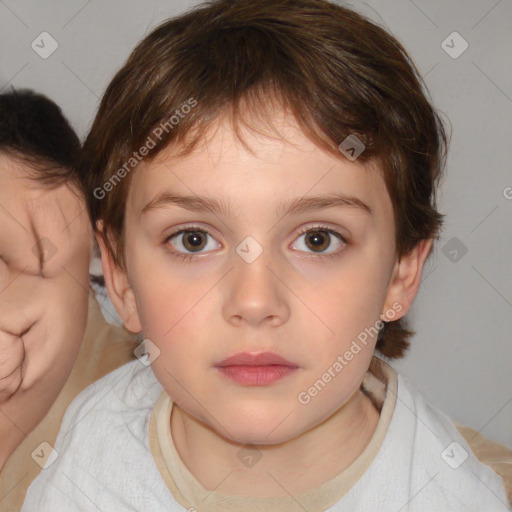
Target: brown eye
x=321 y=240
x=186 y=242
x=318 y=240
x=194 y=240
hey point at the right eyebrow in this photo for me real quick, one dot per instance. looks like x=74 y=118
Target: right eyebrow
x=297 y=205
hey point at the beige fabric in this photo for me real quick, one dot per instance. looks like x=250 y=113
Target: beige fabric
x=380 y=384
x=491 y=453
x=104 y=348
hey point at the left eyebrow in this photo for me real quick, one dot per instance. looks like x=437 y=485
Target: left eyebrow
x=310 y=203
x=298 y=205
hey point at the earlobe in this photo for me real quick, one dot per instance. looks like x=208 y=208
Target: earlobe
x=406 y=278
x=118 y=286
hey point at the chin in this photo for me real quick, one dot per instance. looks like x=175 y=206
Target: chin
x=256 y=437
x=263 y=430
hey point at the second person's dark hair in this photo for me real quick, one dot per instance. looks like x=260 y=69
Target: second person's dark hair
x=34 y=131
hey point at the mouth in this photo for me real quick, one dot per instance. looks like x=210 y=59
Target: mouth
x=255 y=369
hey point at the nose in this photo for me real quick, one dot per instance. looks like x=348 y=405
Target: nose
x=255 y=293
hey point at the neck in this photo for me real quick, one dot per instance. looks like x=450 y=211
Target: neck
x=302 y=463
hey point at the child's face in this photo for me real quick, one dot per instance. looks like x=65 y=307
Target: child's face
x=306 y=297
x=43 y=288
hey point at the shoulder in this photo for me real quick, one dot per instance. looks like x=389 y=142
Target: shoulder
x=439 y=460
x=104 y=430
x=131 y=387
x=102 y=410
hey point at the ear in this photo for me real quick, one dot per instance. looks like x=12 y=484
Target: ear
x=118 y=286
x=405 y=280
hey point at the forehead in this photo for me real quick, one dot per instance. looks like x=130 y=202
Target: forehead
x=263 y=168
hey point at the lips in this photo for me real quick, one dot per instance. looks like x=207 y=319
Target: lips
x=255 y=369
x=262 y=359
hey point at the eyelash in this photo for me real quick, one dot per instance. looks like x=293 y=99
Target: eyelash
x=190 y=256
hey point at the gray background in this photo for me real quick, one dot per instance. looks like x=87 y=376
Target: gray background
x=461 y=357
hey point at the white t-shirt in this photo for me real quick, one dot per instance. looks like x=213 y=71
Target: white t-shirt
x=104 y=459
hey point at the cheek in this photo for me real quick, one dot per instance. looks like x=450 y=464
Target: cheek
x=169 y=295
x=185 y=341
x=171 y=311
x=349 y=301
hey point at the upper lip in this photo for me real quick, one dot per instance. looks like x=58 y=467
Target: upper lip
x=261 y=359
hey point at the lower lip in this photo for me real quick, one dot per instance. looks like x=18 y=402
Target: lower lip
x=256 y=375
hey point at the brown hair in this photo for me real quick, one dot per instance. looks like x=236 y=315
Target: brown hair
x=338 y=73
